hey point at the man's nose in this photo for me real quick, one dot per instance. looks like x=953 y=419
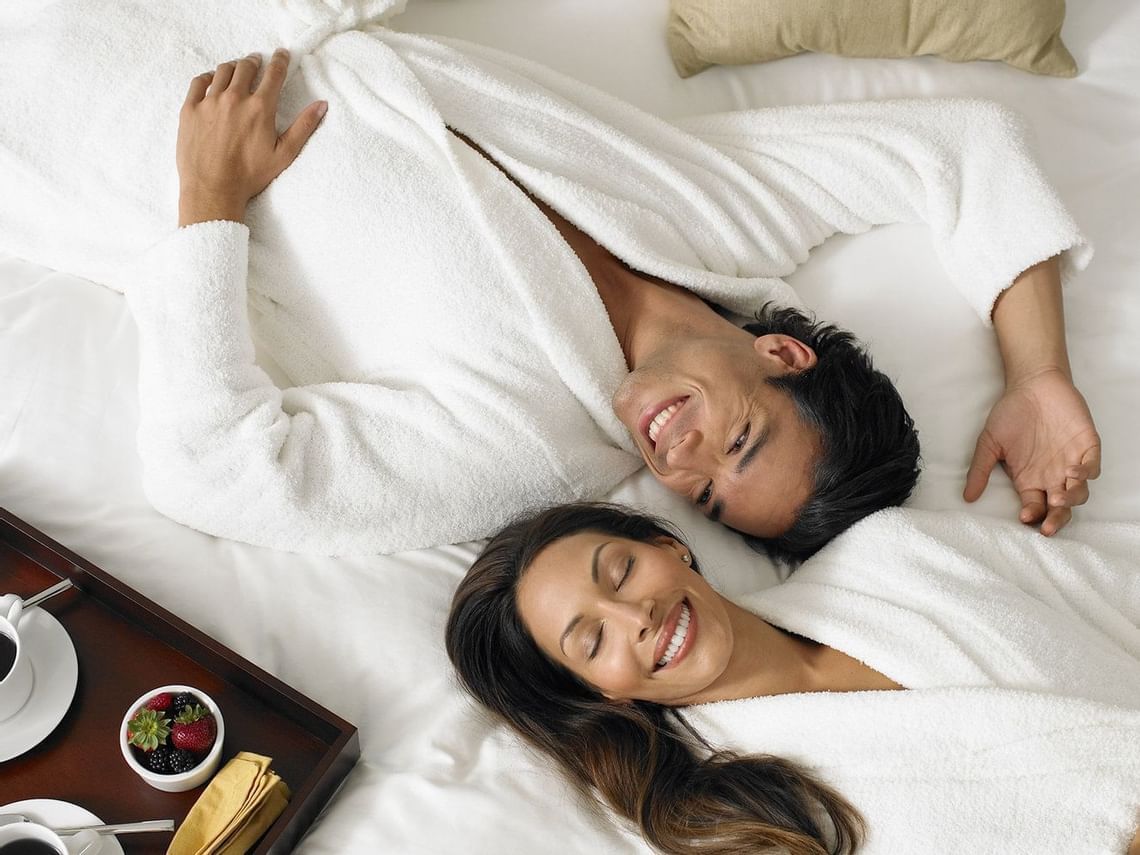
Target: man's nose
x=682 y=453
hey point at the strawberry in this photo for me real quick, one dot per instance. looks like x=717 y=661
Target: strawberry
x=194 y=730
x=148 y=730
x=160 y=702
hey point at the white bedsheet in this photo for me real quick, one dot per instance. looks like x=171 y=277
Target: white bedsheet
x=434 y=777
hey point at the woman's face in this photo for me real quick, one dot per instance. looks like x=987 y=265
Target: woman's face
x=631 y=619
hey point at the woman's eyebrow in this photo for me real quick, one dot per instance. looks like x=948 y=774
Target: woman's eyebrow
x=574 y=621
x=594 y=561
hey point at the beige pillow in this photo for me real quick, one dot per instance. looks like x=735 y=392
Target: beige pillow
x=1024 y=33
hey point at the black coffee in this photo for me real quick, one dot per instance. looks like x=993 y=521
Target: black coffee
x=27 y=847
x=7 y=657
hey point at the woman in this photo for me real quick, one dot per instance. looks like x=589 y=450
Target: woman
x=586 y=626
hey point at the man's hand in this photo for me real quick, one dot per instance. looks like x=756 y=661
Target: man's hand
x=1043 y=434
x=228 y=146
x=1040 y=430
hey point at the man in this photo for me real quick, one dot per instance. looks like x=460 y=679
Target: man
x=728 y=418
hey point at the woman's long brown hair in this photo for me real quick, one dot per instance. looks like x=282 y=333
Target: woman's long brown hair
x=639 y=758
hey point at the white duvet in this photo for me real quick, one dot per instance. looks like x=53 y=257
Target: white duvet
x=434 y=775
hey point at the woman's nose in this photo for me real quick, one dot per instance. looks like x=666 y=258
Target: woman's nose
x=639 y=616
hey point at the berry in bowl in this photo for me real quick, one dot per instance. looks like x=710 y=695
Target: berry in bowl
x=172 y=737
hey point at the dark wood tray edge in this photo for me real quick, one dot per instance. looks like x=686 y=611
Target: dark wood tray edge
x=308 y=799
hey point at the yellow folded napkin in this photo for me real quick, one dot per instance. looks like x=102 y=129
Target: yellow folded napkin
x=234 y=810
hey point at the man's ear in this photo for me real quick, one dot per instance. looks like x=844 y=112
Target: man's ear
x=785 y=354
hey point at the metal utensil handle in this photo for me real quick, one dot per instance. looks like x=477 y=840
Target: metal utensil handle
x=121 y=828
x=57 y=588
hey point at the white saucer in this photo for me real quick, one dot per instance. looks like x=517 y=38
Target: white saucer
x=56 y=673
x=51 y=812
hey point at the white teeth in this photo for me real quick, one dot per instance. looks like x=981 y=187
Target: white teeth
x=678 y=637
x=660 y=419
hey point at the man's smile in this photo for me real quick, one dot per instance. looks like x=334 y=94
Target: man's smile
x=654 y=419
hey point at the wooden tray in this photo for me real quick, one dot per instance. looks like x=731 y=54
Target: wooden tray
x=127 y=645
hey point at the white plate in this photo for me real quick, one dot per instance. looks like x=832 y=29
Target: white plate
x=51 y=812
x=56 y=673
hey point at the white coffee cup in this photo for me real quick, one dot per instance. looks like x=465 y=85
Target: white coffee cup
x=31 y=831
x=16 y=685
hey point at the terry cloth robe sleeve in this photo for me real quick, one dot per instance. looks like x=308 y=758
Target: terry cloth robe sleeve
x=330 y=468
x=726 y=203
x=962 y=167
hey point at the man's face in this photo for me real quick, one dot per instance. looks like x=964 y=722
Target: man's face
x=712 y=429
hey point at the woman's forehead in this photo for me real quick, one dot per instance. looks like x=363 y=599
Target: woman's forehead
x=564 y=559
x=559 y=576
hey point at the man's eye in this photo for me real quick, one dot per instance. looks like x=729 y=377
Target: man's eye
x=740 y=440
x=706 y=494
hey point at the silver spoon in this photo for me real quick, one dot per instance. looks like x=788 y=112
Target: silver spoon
x=20 y=605
x=121 y=828
x=57 y=588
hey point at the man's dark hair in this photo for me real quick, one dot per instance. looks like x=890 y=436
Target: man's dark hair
x=870 y=454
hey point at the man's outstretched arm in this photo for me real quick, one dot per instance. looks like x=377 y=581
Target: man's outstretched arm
x=965 y=168
x=1040 y=430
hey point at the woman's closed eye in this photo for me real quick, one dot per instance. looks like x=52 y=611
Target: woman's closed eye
x=597 y=645
x=625 y=573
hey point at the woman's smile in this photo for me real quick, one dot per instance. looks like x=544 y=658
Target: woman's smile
x=677 y=637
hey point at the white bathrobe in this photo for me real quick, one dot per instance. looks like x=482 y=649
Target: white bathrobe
x=1020 y=729
x=448 y=360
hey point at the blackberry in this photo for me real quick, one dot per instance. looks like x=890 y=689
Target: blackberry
x=183 y=699
x=182 y=761
x=159 y=759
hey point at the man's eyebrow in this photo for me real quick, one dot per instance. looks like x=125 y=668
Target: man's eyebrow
x=574 y=622
x=754 y=449
x=742 y=464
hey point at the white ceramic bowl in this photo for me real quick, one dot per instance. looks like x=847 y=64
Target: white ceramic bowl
x=184 y=780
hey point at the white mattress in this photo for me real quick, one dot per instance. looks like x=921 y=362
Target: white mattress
x=364 y=636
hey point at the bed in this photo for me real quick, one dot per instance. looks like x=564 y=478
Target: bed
x=434 y=774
